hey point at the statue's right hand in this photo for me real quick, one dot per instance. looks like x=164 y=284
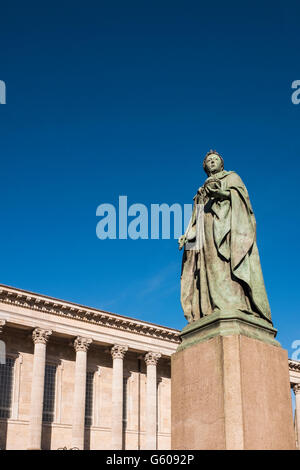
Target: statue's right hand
x=209 y=190
x=181 y=241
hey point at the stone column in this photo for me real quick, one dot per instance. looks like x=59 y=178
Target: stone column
x=2 y=324
x=296 y=389
x=118 y=353
x=2 y=344
x=81 y=346
x=151 y=359
x=40 y=338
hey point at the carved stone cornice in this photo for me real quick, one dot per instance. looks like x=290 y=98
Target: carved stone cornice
x=294 y=365
x=2 y=324
x=118 y=351
x=29 y=300
x=151 y=358
x=82 y=344
x=296 y=389
x=41 y=336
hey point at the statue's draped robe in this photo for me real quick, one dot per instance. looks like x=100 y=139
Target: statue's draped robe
x=224 y=272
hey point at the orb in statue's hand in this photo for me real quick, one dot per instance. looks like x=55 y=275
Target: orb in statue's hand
x=212 y=183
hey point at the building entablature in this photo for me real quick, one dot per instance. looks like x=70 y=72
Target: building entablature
x=294 y=368
x=27 y=310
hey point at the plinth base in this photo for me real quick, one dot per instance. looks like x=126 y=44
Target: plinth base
x=231 y=390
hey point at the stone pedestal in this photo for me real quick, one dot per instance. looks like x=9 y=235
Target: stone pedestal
x=230 y=386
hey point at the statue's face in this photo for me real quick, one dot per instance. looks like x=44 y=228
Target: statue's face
x=213 y=163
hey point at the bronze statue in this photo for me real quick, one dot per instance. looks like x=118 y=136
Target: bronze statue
x=221 y=269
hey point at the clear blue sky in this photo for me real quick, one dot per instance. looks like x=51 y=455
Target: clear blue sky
x=125 y=98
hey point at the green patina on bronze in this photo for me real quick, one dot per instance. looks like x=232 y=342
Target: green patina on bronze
x=226 y=324
x=223 y=272
x=222 y=287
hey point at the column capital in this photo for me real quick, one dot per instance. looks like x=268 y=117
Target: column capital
x=2 y=324
x=118 y=351
x=41 y=336
x=151 y=358
x=296 y=389
x=82 y=344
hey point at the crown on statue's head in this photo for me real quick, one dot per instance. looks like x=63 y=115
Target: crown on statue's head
x=212 y=152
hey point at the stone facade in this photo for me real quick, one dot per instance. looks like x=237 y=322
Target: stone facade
x=119 y=366
x=107 y=377
x=294 y=367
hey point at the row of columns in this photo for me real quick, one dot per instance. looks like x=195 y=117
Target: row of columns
x=81 y=345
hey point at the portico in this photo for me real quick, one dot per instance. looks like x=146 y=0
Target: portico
x=86 y=378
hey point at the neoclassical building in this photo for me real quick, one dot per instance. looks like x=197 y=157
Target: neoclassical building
x=74 y=376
